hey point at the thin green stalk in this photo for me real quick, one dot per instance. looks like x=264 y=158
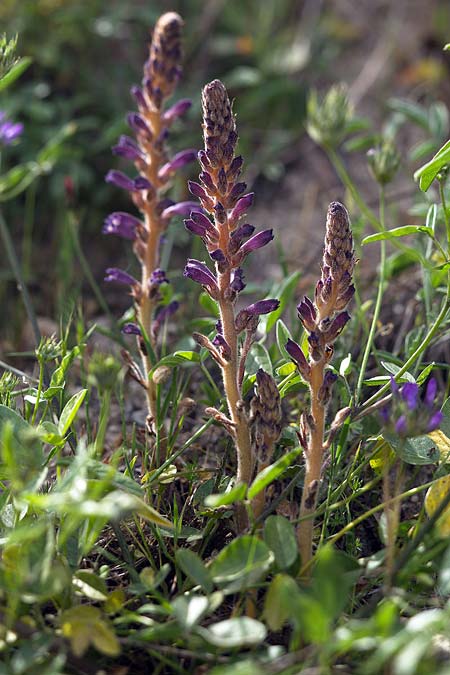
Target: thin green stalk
x=27 y=241
x=446 y=217
x=103 y=422
x=15 y=266
x=39 y=390
x=379 y=298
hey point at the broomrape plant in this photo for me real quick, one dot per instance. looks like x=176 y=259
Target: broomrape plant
x=149 y=153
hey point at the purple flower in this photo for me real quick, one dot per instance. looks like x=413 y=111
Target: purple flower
x=435 y=421
x=336 y=327
x=9 y=131
x=199 y=224
x=401 y=426
x=242 y=207
x=237 y=190
x=295 y=352
x=158 y=277
x=119 y=276
x=257 y=241
x=165 y=312
x=177 y=110
x=128 y=148
x=139 y=97
x=197 y=190
x=307 y=313
x=180 y=209
x=138 y=124
x=218 y=255
x=198 y=272
x=122 y=224
x=179 y=160
x=122 y=181
x=430 y=393
x=131 y=329
x=262 y=307
x=410 y=394
x=237 y=280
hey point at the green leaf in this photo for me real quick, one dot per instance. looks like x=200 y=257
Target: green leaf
x=194 y=568
x=281 y=601
x=424 y=373
x=428 y=172
x=190 y=609
x=50 y=434
x=70 y=411
x=279 y=535
x=179 y=358
x=393 y=369
x=241 y=631
x=258 y=358
x=241 y=564
x=283 y=334
x=15 y=72
x=235 y=494
x=272 y=472
x=90 y=585
x=397 y=232
x=444 y=574
x=420 y=450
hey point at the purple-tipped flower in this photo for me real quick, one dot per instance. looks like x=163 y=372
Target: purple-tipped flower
x=9 y=131
x=122 y=224
x=131 y=329
x=197 y=190
x=199 y=224
x=257 y=241
x=237 y=280
x=218 y=255
x=307 y=313
x=241 y=207
x=122 y=181
x=177 y=110
x=139 y=125
x=120 y=276
x=410 y=394
x=129 y=149
x=179 y=160
x=198 y=272
x=179 y=209
x=139 y=97
x=158 y=277
x=262 y=307
x=336 y=327
x=295 y=352
x=165 y=312
x=407 y=414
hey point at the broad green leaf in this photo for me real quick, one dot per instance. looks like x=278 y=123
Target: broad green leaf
x=70 y=411
x=194 y=568
x=236 y=494
x=403 y=231
x=428 y=172
x=20 y=448
x=241 y=564
x=419 y=450
x=190 y=609
x=84 y=626
x=279 y=535
x=258 y=358
x=50 y=434
x=280 y=603
x=393 y=368
x=272 y=472
x=240 y=631
x=444 y=574
x=286 y=369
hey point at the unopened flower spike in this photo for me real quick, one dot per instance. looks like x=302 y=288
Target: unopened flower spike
x=224 y=203
x=146 y=148
x=323 y=320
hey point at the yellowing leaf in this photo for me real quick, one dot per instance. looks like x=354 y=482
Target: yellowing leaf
x=85 y=626
x=382 y=457
x=442 y=443
x=435 y=494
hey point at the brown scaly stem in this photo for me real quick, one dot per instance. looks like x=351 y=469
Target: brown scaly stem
x=323 y=320
x=220 y=195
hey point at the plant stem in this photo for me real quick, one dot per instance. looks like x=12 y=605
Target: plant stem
x=39 y=391
x=377 y=308
x=103 y=423
x=313 y=467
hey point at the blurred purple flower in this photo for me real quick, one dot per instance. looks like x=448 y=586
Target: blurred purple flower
x=131 y=329
x=122 y=224
x=9 y=131
x=120 y=276
x=177 y=110
x=158 y=277
x=408 y=415
x=179 y=160
x=179 y=209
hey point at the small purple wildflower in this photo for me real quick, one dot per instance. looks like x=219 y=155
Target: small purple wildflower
x=120 y=277
x=257 y=241
x=199 y=272
x=179 y=209
x=128 y=149
x=409 y=415
x=242 y=207
x=179 y=160
x=131 y=329
x=237 y=280
x=158 y=277
x=122 y=224
x=122 y=181
x=177 y=110
x=262 y=307
x=9 y=131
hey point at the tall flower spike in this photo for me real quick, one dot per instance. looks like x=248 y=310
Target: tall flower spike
x=148 y=151
x=323 y=320
x=221 y=196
